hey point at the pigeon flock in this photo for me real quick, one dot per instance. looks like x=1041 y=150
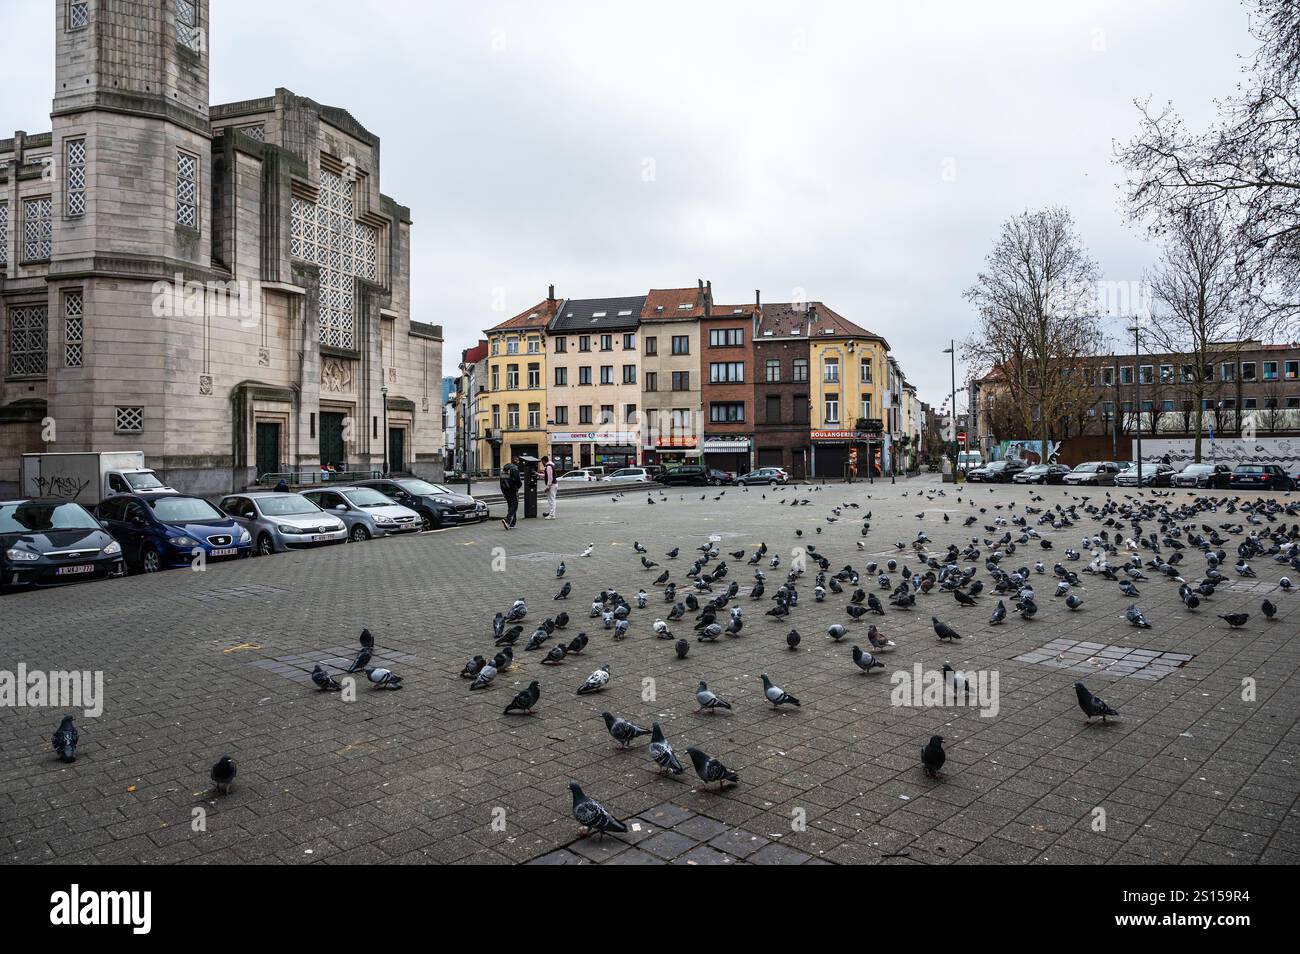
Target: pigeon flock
x=1128 y=545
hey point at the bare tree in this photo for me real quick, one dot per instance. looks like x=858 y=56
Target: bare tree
x=1036 y=298
x=1250 y=162
x=1199 y=305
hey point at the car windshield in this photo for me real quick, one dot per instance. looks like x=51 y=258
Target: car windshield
x=575 y=473
x=1197 y=469
x=143 y=481
x=626 y=472
x=422 y=488
x=1036 y=469
x=184 y=510
x=1087 y=468
x=286 y=506
x=38 y=517
x=365 y=497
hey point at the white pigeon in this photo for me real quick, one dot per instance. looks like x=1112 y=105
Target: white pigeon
x=587 y=552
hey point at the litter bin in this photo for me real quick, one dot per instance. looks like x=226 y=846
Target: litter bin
x=530 y=485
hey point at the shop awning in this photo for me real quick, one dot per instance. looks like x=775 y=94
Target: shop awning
x=726 y=446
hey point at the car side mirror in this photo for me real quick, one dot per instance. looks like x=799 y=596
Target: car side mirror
x=103 y=524
x=342 y=508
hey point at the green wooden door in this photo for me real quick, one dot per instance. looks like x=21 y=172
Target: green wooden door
x=396 y=449
x=268 y=448
x=331 y=438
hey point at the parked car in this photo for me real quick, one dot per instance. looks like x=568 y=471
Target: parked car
x=1093 y=473
x=764 y=475
x=720 y=478
x=162 y=531
x=49 y=542
x=1145 y=474
x=997 y=472
x=695 y=475
x=436 y=504
x=1260 y=477
x=1203 y=475
x=279 y=522
x=366 y=512
x=1042 y=474
x=584 y=475
x=640 y=475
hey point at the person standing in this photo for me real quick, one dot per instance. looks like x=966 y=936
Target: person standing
x=510 y=484
x=552 y=488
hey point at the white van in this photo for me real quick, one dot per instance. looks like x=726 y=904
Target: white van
x=969 y=460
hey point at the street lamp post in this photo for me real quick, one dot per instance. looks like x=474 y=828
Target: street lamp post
x=383 y=396
x=952 y=410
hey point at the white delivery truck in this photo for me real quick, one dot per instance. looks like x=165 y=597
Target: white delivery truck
x=90 y=477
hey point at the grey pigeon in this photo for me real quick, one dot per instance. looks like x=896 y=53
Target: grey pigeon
x=707 y=700
x=943 y=630
x=622 y=731
x=709 y=769
x=776 y=695
x=1091 y=705
x=592 y=815
x=596 y=681
x=662 y=752
x=223 y=774
x=65 y=740
x=865 y=661
x=383 y=678
x=525 y=699
x=324 y=681
x=484 y=677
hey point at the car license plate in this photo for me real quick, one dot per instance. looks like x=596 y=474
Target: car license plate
x=320 y=538
x=70 y=570
x=224 y=551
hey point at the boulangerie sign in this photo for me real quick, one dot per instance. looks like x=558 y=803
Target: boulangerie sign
x=1284 y=451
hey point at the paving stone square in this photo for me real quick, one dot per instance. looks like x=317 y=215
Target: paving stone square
x=1199 y=766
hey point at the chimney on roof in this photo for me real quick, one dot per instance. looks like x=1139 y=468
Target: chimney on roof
x=758 y=299
x=550 y=293
x=708 y=299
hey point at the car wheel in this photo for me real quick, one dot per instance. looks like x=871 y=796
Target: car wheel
x=265 y=546
x=359 y=534
x=427 y=522
x=150 y=559
x=771 y=483
x=716 y=482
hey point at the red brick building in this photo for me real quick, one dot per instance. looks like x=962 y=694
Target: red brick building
x=781 y=389
x=727 y=376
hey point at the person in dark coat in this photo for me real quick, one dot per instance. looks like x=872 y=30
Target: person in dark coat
x=511 y=481
x=281 y=487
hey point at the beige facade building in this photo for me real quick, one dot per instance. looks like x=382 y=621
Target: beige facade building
x=671 y=382
x=512 y=410
x=225 y=288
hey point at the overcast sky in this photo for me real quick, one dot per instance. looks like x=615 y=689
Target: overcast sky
x=864 y=153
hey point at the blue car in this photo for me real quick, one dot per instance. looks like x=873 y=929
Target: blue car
x=165 y=530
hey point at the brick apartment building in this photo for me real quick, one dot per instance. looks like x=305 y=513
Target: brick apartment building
x=727 y=373
x=781 y=395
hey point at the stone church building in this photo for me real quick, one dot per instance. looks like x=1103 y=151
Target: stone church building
x=225 y=288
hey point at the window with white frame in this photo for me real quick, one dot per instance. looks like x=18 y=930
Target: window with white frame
x=831 y=370
x=38 y=230
x=187 y=189
x=78 y=14
x=73 y=328
x=128 y=420
x=773 y=370
x=865 y=373
x=74 y=178
x=188 y=33
x=27 y=341
x=832 y=409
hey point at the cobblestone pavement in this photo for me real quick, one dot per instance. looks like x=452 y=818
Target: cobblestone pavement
x=201 y=664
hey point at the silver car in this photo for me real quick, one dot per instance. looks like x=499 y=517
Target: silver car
x=365 y=511
x=280 y=522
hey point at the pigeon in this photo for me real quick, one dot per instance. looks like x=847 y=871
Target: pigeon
x=596 y=681
x=999 y=614
x=65 y=740
x=682 y=647
x=1234 y=620
x=504 y=661
x=792 y=639
x=661 y=752
x=361 y=661
x=223 y=774
x=865 y=661
x=933 y=757
x=366 y=639
x=1073 y=602
x=484 y=677
x=559 y=570
x=622 y=731
x=525 y=699
x=555 y=655
x=943 y=630
x=383 y=678
x=1091 y=705
x=879 y=642
x=710 y=770
x=1269 y=610
x=592 y=815
x=564 y=592
x=587 y=552
x=1135 y=617
x=327 y=683
x=776 y=695
x=707 y=700
x=578 y=643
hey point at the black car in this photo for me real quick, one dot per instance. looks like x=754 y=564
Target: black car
x=1260 y=477
x=688 y=475
x=1212 y=476
x=1042 y=474
x=997 y=472
x=437 y=505
x=52 y=542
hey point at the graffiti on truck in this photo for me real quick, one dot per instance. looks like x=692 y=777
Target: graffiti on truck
x=63 y=486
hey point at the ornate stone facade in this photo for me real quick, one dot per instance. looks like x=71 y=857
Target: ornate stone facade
x=223 y=287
